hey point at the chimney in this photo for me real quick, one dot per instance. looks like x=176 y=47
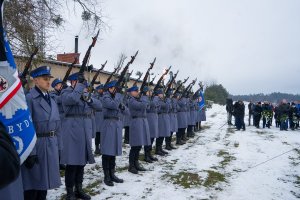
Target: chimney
x=76 y=44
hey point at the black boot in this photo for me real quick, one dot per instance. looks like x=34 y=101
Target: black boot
x=152 y=157
x=147 y=157
x=97 y=150
x=70 y=194
x=62 y=167
x=107 y=178
x=114 y=178
x=80 y=194
x=163 y=151
x=132 y=168
x=138 y=166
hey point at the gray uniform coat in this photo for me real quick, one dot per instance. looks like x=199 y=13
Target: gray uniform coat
x=45 y=174
x=111 y=133
x=139 y=134
x=181 y=113
x=173 y=115
x=77 y=126
x=99 y=114
x=164 y=129
x=152 y=117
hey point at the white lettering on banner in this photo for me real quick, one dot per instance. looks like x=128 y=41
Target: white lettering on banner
x=20 y=126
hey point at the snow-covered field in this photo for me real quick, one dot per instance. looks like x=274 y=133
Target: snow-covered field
x=218 y=163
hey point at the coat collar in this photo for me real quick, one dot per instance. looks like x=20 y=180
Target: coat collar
x=36 y=92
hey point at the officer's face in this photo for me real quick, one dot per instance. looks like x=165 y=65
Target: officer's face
x=73 y=83
x=112 y=89
x=134 y=93
x=42 y=82
x=58 y=86
x=148 y=93
x=161 y=95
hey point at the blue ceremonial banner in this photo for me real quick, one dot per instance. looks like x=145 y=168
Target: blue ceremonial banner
x=14 y=112
x=201 y=100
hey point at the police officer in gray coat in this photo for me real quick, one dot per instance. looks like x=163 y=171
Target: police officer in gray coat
x=173 y=120
x=77 y=134
x=99 y=118
x=57 y=85
x=164 y=129
x=181 y=119
x=139 y=134
x=40 y=171
x=152 y=117
x=111 y=133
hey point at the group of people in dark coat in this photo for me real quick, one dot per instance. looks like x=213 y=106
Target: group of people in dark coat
x=68 y=118
x=285 y=114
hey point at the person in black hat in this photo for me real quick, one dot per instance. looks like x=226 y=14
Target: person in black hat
x=139 y=134
x=111 y=132
x=38 y=173
x=77 y=134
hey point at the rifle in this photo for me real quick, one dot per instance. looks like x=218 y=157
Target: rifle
x=27 y=66
x=146 y=77
x=151 y=82
x=68 y=73
x=137 y=80
x=160 y=80
x=181 y=84
x=125 y=81
x=122 y=75
x=171 y=83
x=88 y=53
x=111 y=75
x=91 y=86
x=188 y=88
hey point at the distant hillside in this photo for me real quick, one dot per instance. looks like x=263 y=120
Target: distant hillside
x=273 y=97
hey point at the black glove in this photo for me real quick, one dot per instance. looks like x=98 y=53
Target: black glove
x=122 y=106
x=30 y=161
x=80 y=78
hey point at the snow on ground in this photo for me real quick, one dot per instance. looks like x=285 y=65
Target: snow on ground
x=218 y=163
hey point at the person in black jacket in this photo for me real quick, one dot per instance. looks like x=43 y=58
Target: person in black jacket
x=257 y=114
x=250 y=109
x=239 y=114
x=9 y=159
x=229 y=109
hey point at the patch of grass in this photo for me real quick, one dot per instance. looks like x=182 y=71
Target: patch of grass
x=91 y=188
x=120 y=169
x=204 y=127
x=230 y=130
x=185 y=179
x=62 y=173
x=297 y=185
x=212 y=178
x=236 y=144
x=227 y=158
x=261 y=132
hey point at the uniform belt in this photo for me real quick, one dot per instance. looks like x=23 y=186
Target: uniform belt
x=135 y=117
x=87 y=115
x=49 y=134
x=115 y=118
x=162 y=113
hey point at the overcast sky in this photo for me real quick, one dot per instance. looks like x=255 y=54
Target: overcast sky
x=248 y=46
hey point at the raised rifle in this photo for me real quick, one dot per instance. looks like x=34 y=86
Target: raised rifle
x=146 y=77
x=138 y=79
x=122 y=75
x=27 y=66
x=112 y=74
x=171 y=83
x=160 y=80
x=91 y=86
x=181 y=84
x=188 y=88
x=64 y=80
x=88 y=53
x=151 y=82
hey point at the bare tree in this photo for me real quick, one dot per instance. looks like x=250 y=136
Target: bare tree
x=31 y=23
